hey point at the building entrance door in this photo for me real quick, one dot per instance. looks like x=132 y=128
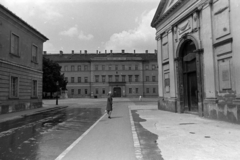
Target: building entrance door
x=117 y=92
x=190 y=89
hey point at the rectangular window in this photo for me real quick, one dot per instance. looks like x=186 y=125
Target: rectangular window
x=123 y=67
x=167 y=82
x=116 y=67
x=72 y=91
x=103 y=91
x=85 y=79
x=146 y=67
x=85 y=67
x=103 y=67
x=154 y=78
x=96 y=90
x=34 y=53
x=116 y=78
x=86 y=91
x=147 y=78
x=72 y=68
x=153 y=67
x=79 y=91
x=129 y=67
x=34 y=88
x=96 y=67
x=65 y=68
x=72 y=79
x=79 y=68
x=109 y=67
x=14 y=44
x=136 y=78
x=109 y=78
x=123 y=78
x=136 y=90
x=96 y=78
x=14 y=86
x=79 y=79
x=103 y=78
x=130 y=90
x=136 y=67
x=130 y=78
x=147 y=90
x=154 y=90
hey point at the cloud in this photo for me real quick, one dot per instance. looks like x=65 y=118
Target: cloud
x=140 y=38
x=74 y=32
x=47 y=46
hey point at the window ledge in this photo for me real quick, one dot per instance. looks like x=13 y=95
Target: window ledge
x=14 y=55
x=34 y=97
x=13 y=98
x=34 y=62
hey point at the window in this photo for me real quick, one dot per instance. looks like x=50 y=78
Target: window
x=15 y=44
x=85 y=67
x=34 y=88
x=85 y=79
x=109 y=78
x=116 y=78
x=103 y=67
x=147 y=78
x=116 y=67
x=103 y=78
x=79 y=68
x=146 y=67
x=109 y=67
x=130 y=90
x=154 y=90
x=79 y=79
x=96 y=78
x=72 y=68
x=130 y=78
x=147 y=90
x=136 y=78
x=86 y=91
x=167 y=82
x=123 y=78
x=123 y=67
x=154 y=78
x=65 y=68
x=136 y=67
x=72 y=79
x=14 y=87
x=96 y=90
x=103 y=91
x=129 y=67
x=136 y=90
x=153 y=67
x=72 y=91
x=96 y=67
x=34 y=53
x=79 y=91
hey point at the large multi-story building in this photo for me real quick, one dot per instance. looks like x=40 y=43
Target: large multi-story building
x=198 y=57
x=20 y=64
x=122 y=74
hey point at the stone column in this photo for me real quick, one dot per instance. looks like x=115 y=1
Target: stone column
x=160 y=71
x=209 y=63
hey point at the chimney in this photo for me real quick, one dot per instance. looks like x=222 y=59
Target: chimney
x=45 y=52
x=85 y=51
x=72 y=51
x=80 y=51
x=155 y=51
x=123 y=51
x=146 y=51
x=61 y=52
x=134 y=51
x=97 y=51
x=110 y=51
x=105 y=51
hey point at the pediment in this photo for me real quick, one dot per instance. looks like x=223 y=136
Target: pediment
x=165 y=8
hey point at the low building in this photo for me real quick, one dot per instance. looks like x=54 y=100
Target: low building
x=198 y=59
x=20 y=64
x=122 y=74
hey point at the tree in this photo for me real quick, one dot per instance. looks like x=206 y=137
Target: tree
x=52 y=75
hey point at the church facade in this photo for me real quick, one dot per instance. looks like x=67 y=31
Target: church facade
x=198 y=57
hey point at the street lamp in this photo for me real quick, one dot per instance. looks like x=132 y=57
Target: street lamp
x=57 y=93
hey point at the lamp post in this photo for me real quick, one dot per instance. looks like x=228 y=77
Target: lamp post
x=57 y=93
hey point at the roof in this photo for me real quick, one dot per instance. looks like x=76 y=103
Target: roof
x=25 y=23
x=76 y=57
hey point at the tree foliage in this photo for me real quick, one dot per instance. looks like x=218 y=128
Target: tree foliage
x=52 y=75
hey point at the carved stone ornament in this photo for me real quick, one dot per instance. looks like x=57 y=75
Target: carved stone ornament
x=195 y=16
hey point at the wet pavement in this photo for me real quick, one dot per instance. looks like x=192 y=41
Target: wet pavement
x=43 y=136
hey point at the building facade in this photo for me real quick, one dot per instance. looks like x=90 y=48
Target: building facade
x=122 y=74
x=198 y=59
x=20 y=64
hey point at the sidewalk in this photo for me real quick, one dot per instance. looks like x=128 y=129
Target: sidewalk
x=189 y=137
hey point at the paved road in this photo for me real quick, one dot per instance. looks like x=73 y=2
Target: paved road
x=109 y=139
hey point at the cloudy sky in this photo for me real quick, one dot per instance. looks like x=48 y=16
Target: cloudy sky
x=90 y=24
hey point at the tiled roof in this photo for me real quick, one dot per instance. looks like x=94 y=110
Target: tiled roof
x=88 y=57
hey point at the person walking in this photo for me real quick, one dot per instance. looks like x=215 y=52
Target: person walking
x=109 y=105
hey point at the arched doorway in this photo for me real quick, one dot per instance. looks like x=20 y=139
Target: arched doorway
x=117 y=92
x=188 y=76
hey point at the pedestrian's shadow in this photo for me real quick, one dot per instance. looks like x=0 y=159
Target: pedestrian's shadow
x=114 y=117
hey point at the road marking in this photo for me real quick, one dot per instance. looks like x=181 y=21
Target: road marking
x=64 y=153
x=137 y=146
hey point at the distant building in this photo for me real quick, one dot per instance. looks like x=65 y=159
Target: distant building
x=198 y=57
x=20 y=64
x=122 y=74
